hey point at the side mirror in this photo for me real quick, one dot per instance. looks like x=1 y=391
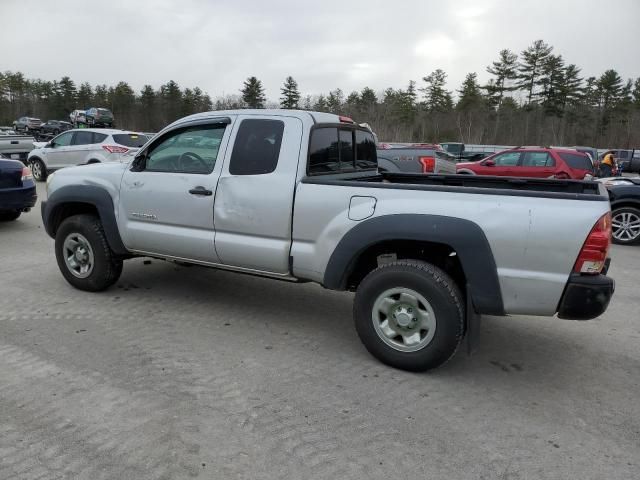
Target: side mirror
x=489 y=163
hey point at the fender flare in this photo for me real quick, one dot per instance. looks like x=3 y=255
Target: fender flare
x=464 y=236
x=465 y=171
x=87 y=194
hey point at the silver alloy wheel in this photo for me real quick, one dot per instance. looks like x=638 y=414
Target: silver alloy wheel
x=36 y=168
x=78 y=255
x=625 y=226
x=403 y=319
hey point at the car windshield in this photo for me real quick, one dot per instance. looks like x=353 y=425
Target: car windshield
x=134 y=140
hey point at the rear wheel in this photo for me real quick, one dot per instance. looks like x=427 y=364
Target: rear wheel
x=625 y=225
x=84 y=256
x=9 y=215
x=410 y=315
x=38 y=169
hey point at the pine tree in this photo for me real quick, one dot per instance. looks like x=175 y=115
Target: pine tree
x=290 y=94
x=368 y=98
x=531 y=67
x=504 y=70
x=85 y=95
x=552 y=82
x=335 y=99
x=437 y=98
x=609 y=89
x=253 y=93
x=635 y=93
x=470 y=93
x=321 y=104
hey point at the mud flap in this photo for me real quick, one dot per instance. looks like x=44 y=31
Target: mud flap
x=473 y=325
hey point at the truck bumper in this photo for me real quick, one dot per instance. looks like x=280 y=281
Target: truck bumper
x=586 y=297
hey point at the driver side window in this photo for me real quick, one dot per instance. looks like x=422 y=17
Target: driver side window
x=507 y=159
x=63 y=140
x=188 y=150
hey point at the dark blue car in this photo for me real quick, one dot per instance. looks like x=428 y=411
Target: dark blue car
x=17 y=189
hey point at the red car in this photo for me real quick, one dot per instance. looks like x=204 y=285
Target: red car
x=533 y=162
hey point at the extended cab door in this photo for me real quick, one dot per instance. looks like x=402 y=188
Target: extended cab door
x=166 y=195
x=254 y=200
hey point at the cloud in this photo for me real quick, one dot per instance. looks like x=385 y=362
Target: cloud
x=217 y=44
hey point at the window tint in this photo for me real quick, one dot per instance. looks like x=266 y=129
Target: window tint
x=190 y=150
x=323 y=151
x=365 y=150
x=63 y=140
x=346 y=149
x=509 y=159
x=99 y=137
x=576 y=161
x=333 y=150
x=134 y=140
x=537 y=159
x=82 y=138
x=257 y=147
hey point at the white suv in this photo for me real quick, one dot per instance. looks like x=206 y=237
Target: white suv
x=83 y=146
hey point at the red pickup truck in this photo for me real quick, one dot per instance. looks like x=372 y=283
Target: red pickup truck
x=533 y=162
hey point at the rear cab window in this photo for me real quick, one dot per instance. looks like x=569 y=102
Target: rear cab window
x=576 y=161
x=334 y=149
x=256 y=148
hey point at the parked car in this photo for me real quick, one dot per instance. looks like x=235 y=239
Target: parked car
x=78 y=117
x=472 y=153
x=54 y=127
x=7 y=131
x=624 y=194
x=414 y=158
x=99 y=117
x=17 y=189
x=16 y=147
x=533 y=162
x=27 y=124
x=82 y=146
x=297 y=196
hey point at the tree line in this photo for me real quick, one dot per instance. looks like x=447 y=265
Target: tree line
x=532 y=98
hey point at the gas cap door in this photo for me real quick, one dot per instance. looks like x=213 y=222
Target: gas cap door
x=361 y=207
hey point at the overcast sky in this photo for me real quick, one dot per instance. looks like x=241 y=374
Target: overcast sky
x=323 y=44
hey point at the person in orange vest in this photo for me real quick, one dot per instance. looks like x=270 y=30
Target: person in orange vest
x=607 y=164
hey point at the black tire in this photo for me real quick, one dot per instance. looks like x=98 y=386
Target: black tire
x=444 y=297
x=617 y=216
x=39 y=169
x=9 y=215
x=107 y=268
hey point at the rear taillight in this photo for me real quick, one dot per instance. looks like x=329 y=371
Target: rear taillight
x=428 y=164
x=595 y=250
x=26 y=174
x=115 y=149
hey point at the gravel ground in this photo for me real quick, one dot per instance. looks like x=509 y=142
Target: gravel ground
x=181 y=372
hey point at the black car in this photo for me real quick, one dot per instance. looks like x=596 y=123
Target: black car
x=54 y=127
x=17 y=189
x=624 y=194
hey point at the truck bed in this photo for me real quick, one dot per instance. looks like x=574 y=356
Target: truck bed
x=532 y=187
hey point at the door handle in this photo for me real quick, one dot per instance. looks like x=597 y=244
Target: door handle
x=200 y=191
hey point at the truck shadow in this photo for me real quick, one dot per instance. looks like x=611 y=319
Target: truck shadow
x=510 y=349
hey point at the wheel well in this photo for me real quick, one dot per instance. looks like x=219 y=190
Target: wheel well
x=438 y=254
x=93 y=160
x=624 y=204
x=67 y=210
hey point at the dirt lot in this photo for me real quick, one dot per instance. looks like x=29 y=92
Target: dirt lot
x=188 y=372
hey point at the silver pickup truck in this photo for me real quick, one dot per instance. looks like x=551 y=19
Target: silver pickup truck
x=297 y=196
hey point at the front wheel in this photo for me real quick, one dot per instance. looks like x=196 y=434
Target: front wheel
x=625 y=226
x=84 y=256
x=39 y=170
x=410 y=315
